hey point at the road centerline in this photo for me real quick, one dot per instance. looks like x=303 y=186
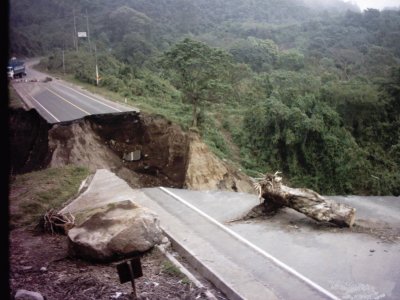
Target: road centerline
x=89 y=97
x=62 y=98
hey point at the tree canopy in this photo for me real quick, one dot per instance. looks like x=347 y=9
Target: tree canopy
x=198 y=70
x=308 y=87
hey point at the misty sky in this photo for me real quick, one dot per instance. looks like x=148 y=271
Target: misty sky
x=363 y=4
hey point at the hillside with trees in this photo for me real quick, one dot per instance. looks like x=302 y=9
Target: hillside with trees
x=310 y=88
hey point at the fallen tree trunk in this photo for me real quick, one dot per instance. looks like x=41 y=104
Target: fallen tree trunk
x=306 y=201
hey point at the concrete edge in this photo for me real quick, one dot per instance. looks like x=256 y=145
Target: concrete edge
x=203 y=269
x=186 y=272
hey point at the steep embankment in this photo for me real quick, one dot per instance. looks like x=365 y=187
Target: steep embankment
x=145 y=150
x=205 y=171
x=29 y=147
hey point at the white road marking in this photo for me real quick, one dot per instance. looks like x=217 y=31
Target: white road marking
x=94 y=99
x=55 y=118
x=256 y=248
x=62 y=98
x=37 y=101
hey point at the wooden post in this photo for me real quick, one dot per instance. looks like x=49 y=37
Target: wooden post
x=128 y=271
x=134 y=296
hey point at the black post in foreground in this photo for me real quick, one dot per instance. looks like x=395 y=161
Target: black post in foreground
x=129 y=271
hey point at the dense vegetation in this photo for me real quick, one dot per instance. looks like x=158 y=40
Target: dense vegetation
x=313 y=91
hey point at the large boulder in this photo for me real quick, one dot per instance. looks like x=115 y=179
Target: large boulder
x=114 y=231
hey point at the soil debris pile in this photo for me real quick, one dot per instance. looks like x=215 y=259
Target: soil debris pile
x=206 y=172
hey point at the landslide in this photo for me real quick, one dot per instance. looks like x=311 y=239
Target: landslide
x=164 y=154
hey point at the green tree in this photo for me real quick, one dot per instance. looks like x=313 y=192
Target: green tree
x=199 y=71
x=134 y=49
x=291 y=60
x=304 y=139
x=260 y=55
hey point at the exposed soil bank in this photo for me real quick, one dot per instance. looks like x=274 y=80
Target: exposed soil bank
x=28 y=141
x=145 y=150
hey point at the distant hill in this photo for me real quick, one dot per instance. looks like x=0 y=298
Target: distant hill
x=49 y=23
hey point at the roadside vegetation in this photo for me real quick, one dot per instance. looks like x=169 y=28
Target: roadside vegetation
x=311 y=91
x=33 y=194
x=170 y=269
x=14 y=101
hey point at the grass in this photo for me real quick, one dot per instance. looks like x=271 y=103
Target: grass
x=172 y=270
x=14 y=99
x=32 y=194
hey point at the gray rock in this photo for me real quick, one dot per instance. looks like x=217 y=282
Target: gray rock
x=132 y=156
x=28 y=295
x=114 y=230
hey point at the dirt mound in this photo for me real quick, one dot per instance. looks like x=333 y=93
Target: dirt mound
x=145 y=150
x=205 y=171
x=76 y=143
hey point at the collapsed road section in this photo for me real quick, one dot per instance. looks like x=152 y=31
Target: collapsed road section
x=145 y=150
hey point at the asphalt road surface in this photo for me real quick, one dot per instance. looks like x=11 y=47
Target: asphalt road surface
x=286 y=256
x=359 y=263
x=59 y=101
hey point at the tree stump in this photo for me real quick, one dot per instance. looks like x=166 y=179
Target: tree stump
x=306 y=201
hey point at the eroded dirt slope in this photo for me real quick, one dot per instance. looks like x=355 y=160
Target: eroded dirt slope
x=28 y=141
x=145 y=150
x=205 y=171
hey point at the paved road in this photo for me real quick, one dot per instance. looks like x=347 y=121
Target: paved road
x=352 y=264
x=229 y=262
x=59 y=101
x=286 y=256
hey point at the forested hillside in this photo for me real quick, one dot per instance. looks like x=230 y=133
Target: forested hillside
x=310 y=88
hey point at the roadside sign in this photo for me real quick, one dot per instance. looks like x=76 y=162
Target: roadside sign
x=82 y=34
x=129 y=271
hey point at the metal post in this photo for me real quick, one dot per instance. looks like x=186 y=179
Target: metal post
x=88 y=34
x=76 y=34
x=97 y=69
x=134 y=296
x=63 y=61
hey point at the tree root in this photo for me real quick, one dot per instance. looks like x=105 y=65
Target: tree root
x=55 y=222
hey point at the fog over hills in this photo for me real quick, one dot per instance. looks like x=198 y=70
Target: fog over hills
x=379 y=4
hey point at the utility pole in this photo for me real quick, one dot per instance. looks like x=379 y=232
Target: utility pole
x=97 y=69
x=88 y=34
x=63 y=61
x=76 y=34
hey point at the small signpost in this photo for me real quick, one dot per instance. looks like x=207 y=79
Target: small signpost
x=129 y=271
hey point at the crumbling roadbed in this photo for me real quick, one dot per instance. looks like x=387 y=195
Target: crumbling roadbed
x=145 y=150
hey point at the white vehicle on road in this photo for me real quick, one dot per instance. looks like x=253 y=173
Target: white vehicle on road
x=10 y=72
